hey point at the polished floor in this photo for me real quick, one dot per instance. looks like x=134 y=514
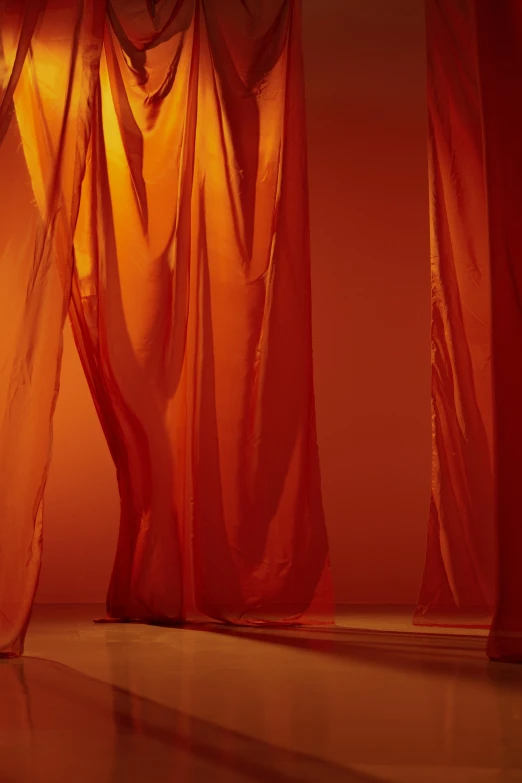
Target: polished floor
x=369 y=701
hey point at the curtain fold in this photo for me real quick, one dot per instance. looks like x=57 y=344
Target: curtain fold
x=176 y=164
x=473 y=572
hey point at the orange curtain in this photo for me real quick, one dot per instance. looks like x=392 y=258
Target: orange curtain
x=458 y=584
x=184 y=260
x=49 y=55
x=473 y=572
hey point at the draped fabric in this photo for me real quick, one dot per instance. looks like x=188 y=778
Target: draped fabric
x=161 y=195
x=473 y=573
x=49 y=54
x=458 y=584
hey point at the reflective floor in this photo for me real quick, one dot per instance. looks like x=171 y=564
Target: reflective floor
x=371 y=700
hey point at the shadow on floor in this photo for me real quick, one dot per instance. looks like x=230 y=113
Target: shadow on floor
x=426 y=653
x=57 y=724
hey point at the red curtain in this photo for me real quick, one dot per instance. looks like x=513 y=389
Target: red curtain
x=162 y=197
x=473 y=572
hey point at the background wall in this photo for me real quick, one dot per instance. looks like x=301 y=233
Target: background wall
x=366 y=91
x=365 y=80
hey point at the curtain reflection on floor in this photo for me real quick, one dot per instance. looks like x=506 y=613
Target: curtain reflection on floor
x=57 y=724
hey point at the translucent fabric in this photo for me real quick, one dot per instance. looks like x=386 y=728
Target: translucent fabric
x=458 y=585
x=49 y=55
x=189 y=298
x=473 y=572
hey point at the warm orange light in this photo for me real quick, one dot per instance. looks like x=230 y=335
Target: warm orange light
x=177 y=172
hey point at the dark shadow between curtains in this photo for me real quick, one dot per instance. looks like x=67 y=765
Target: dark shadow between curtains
x=412 y=652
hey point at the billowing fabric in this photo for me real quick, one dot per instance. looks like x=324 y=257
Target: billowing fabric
x=473 y=572
x=175 y=215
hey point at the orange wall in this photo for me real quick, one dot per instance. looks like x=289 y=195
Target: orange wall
x=365 y=71
x=81 y=501
x=365 y=75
